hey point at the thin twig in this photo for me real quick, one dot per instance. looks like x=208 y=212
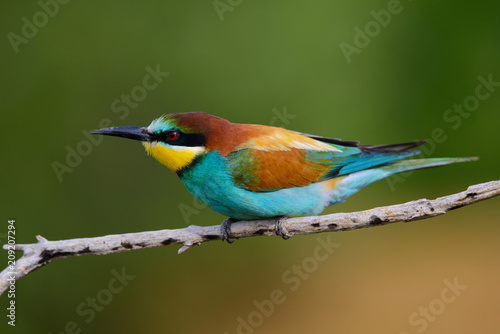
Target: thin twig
x=41 y=253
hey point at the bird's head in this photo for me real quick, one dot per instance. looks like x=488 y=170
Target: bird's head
x=175 y=140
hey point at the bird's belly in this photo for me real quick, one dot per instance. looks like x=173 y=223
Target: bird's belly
x=211 y=183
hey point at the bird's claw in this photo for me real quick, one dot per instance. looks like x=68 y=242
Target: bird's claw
x=225 y=230
x=281 y=230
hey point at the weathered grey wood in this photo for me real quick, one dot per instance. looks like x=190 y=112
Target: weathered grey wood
x=41 y=253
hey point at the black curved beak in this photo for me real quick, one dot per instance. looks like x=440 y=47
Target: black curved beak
x=131 y=132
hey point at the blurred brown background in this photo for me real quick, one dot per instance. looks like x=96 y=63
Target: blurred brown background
x=375 y=71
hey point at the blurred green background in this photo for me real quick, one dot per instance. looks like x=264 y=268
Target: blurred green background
x=277 y=63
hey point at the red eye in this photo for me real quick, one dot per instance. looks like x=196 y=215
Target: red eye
x=173 y=135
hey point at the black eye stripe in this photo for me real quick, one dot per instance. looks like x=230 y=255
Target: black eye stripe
x=181 y=139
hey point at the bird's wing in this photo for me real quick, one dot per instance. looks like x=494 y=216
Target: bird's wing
x=279 y=158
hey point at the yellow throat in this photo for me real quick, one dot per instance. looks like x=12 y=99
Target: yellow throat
x=174 y=157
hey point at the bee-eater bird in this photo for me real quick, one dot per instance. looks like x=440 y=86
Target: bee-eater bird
x=248 y=171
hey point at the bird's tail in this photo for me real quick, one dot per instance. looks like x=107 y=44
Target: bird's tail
x=350 y=184
x=407 y=165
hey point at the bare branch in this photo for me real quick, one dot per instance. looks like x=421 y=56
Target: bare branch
x=44 y=251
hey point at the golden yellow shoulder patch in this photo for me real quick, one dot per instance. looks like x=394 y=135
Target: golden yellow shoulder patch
x=283 y=140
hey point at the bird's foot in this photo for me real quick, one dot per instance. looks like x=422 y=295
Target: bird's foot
x=281 y=230
x=225 y=230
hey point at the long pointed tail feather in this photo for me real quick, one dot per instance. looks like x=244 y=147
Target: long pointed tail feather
x=350 y=184
x=407 y=165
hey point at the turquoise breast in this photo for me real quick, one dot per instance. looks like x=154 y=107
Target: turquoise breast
x=210 y=182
